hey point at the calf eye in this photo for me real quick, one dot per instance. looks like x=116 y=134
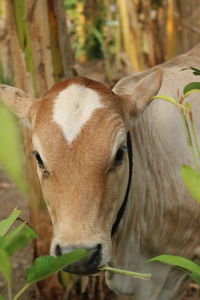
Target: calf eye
x=40 y=162
x=119 y=156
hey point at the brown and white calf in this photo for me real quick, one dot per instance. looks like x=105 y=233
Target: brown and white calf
x=84 y=165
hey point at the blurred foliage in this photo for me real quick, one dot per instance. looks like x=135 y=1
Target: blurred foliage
x=13 y=240
x=137 y=33
x=11 y=154
x=156 y=3
x=85 y=43
x=94 y=29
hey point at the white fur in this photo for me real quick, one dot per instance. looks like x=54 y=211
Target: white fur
x=73 y=107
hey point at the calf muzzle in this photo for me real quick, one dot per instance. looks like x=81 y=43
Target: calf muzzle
x=85 y=266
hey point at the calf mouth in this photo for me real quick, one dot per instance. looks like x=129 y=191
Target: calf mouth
x=89 y=265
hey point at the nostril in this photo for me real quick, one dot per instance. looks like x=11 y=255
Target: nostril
x=89 y=264
x=58 y=250
x=95 y=257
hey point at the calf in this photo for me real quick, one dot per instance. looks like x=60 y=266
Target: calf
x=109 y=166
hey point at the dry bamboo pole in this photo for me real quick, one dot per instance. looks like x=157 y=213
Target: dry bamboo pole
x=129 y=39
x=171 y=33
x=149 y=34
x=5 y=68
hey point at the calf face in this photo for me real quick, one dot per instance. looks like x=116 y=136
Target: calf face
x=79 y=142
x=80 y=145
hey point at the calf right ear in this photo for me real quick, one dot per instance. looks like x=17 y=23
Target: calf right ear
x=136 y=91
x=18 y=102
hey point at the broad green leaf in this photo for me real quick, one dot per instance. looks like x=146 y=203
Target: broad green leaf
x=7 y=223
x=195 y=277
x=5 y=266
x=191 y=179
x=1 y=298
x=18 y=238
x=178 y=261
x=47 y=265
x=191 y=87
x=2 y=242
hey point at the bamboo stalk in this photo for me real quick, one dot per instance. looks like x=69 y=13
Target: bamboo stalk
x=170 y=43
x=129 y=41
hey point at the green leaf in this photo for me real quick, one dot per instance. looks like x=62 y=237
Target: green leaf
x=178 y=261
x=195 y=277
x=7 y=223
x=169 y=99
x=18 y=238
x=196 y=71
x=191 y=87
x=1 y=298
x=11 y=153
x=163 y=97
x=191 y=179
x=5 y=266
x=188 y=106
x=2 y=242
x=47 y=265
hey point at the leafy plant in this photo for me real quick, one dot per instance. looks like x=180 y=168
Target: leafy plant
x=190 y=176
x=191 y=179
x=187 y=265
x=13 y=240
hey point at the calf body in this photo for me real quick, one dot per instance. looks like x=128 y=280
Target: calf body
x=161 y=218
x=80 y=143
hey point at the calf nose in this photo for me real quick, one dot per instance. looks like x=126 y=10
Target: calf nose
x=85 y=266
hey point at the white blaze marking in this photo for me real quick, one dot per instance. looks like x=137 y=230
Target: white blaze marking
x=73 y=107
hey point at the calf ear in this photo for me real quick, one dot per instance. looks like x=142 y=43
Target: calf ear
x=136 y=91
x=18 y=102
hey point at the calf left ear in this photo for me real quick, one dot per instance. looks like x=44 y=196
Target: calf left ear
x=18 y=102
x=136 y=91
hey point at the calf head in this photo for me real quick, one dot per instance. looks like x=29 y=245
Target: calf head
x=80 y=146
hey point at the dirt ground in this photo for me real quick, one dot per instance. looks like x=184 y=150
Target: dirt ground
x=9 y=199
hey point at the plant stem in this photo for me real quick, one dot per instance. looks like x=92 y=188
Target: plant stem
x=169 y=99
x=9 y=291
x=127 y=273
x=189 y=139
x=183 y=110
x=195 y=138
x=21 y=291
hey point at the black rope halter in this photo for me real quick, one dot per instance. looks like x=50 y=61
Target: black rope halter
x=123 y=206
